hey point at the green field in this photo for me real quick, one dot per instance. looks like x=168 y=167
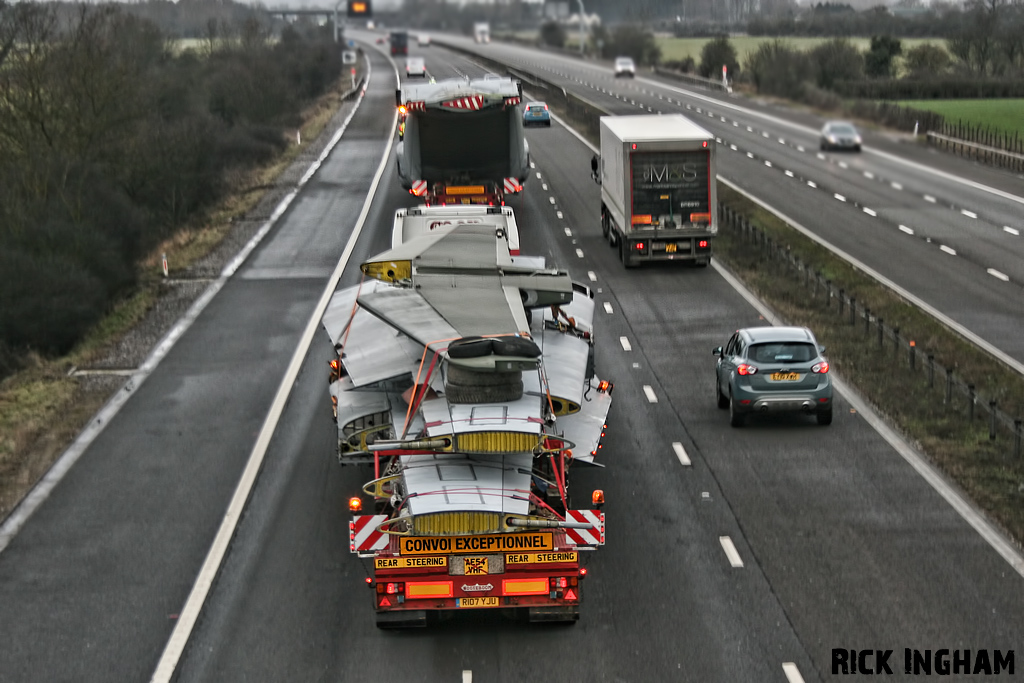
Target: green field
x=681 y=48
x=1006 y=115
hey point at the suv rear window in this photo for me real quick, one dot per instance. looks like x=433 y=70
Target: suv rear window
x=782 y=352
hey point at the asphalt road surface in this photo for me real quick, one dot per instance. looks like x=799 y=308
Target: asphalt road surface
x=842 y=543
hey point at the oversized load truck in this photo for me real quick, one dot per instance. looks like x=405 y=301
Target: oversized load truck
x=465 y=379
x=659 y=200
x=462 y=141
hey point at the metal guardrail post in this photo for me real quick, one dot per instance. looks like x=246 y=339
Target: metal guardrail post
x=828 y=294
x=971 y=399
x=853 y=311
x=881 y=328
x=867 y=320
x=842 y=300
x=992 y=420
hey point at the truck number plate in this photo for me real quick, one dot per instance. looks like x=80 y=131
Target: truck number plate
x=785 y=376
x=477 y=602
x=670 y=247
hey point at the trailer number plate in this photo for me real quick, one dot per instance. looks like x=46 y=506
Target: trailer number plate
x=670 y=247
x=477 y=602
x=476 y=565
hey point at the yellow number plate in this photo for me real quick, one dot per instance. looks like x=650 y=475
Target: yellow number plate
x=785 y=376
x=670 y=248
x=477 y=602
x=475 y=565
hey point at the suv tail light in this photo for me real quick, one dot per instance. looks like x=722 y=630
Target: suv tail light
x=745 y=369
x=820 y=368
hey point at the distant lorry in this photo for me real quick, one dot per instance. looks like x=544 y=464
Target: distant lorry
x=399 y=43
x=482 y=32
x=659 y=200
x=463 y=141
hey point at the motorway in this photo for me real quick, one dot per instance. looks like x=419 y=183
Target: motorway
x=944 y=230
x=838 y=541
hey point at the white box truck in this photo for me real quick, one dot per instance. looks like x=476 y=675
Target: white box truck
x=482 y=32
x=658 y=196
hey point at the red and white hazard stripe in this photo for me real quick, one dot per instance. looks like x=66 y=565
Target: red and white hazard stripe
x=592 y=536
x=363 y=535
x=512 y=185
x=472 y=103
x=419 y=187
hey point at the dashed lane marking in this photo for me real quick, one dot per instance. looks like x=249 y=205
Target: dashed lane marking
x=1012 y=231
x=870 y=212
x=684 y=459
x=624 y=342
x=969 y=214
x=592 y=275
x=651 y=396
x=608 y=308
x=949 y=250
x=996 y=274
x=792 y=673
x=906 y=230
x=730 y=552
x=579 y=253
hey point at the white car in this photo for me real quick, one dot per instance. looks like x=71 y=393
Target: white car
x=624 y=67
x=423 y=39
x=415 y=66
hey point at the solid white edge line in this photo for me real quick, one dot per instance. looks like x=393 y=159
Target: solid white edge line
x=651 y=396
x=42 y=490
x=681 y=455
x=624 y=342
x=730 y=552
x=792 y=673
x=913 y=299
x=920 y=464
x=916 y=460
x=189 y=614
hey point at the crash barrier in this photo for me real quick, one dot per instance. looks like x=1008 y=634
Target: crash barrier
x=691 y=79
x=977 y=151
x=958 y=395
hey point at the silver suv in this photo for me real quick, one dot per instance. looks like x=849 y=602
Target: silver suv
x=773 y=370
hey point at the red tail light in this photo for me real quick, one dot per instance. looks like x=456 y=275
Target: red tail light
x=703 y=244
x=639 y=246
x=745 y=369
x=545 y=107
x=821 y=368
x=559 y=582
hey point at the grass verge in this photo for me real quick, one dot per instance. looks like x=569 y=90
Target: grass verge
x=1004 y=115
x=43 y=408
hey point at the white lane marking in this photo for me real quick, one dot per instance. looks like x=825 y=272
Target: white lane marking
x=42 y=490
x=551 y=199
x=811 y=183
x=965 y=509
x=767 y=163
x=749 y=129
x=906 y=230
x=626 y=346
x=800 y=148
x=736 y=124
x=533 y=165
x=781 y=141
x=750 y=155
x=839 y=197
x=539 y=176
x=733 y=147
x=730 y=552
x=684 y=459
x=896 y=186
x=215 y=556
x=869 y=175
x=467 y=676
x=969 y=214
x=608 y=308
x=821 y=156
x=929 y=198
x=559 y=215
x=568 y=232
x=765 y=134
x=790 y=174
x=1012 y=231
x=842 y=164
x=870 y=212
x=996 y=274
x=544 y=186
x=592 y=275
x=792 y=673
x=579 y=253
x=949 y=250
x=651 y=396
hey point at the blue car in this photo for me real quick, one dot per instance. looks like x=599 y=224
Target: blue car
x=536 y=113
